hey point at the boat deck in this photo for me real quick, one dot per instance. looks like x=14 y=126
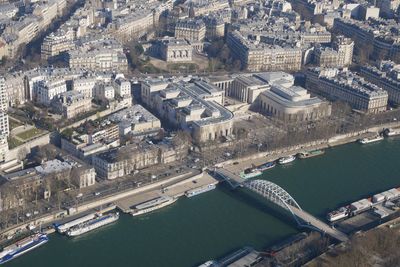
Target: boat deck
x=174 y=190
x=102 y=209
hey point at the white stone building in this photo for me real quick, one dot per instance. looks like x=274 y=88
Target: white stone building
x=122 y=87
x=175 y=50
x=85 y=85
x=45 y=90
x=104 y=91
x=348 y=87
x=71 y=103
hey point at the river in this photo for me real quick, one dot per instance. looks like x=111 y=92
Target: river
x=211 y=225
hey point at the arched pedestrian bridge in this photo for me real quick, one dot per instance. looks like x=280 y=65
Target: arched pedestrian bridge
x=278 y=196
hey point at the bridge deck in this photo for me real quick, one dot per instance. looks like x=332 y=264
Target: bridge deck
x=310 y=219
x=282 y=199
x=233 y=179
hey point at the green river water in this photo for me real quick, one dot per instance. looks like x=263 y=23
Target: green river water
x=211 y=225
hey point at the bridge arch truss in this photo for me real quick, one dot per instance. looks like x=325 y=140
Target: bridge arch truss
x=275 y=194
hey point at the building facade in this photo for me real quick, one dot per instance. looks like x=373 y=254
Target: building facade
x=123 y=161
x=45 y=90
x=196 y=107
x=175 y=50
x=190 y=29
x=386 y=76
x=348 y=87
x=292 y=103
x=71 y=103
x=257 y=56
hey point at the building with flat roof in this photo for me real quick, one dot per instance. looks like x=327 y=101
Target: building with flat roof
x=90 y=138
x=195 y=106
x=136 y=120
x=246 y=88
x=288 y=102
x=274 y=94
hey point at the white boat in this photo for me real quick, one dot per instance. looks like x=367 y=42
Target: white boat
x=390 y=132
x=335 y=215
x=62 y=228
x=92 y=224
x=285 y=160
x=209 y=264
x=250 y=173
x=152 y=205
x=200 y=190
x=393 y=133
x=369 y=140
x=22 y=246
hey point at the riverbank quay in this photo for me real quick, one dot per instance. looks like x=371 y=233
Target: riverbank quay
x=222 y=221
x=312 y=249
x=174 y=190
x=384 y=236
x=96 y=204
x=288 y=254
x=237 y=165
x=235 y=160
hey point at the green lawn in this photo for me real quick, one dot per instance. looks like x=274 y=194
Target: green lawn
x=14 y=124
x=29 y=134
x=12 y=142
x=182 y=66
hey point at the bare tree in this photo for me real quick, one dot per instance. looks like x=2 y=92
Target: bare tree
x=22 y=152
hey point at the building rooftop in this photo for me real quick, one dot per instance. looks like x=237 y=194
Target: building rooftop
x=135 y=114
x=53 y=166
x=350 y=81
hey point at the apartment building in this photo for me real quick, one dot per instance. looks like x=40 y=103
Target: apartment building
x=347 y=86
x=190 y=29
x=57 y=43
x=15 y=88
x=386 y=76
x=258 y=56
x=99 y=59
x=123 y=161
x=382 y=35
x=45 y=90
x=71 y=103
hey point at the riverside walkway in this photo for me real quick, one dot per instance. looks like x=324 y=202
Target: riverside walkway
x=281 y=198
x=320 y=225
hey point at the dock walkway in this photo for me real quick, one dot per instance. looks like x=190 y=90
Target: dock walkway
x=323 y=227
x=176 y=189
